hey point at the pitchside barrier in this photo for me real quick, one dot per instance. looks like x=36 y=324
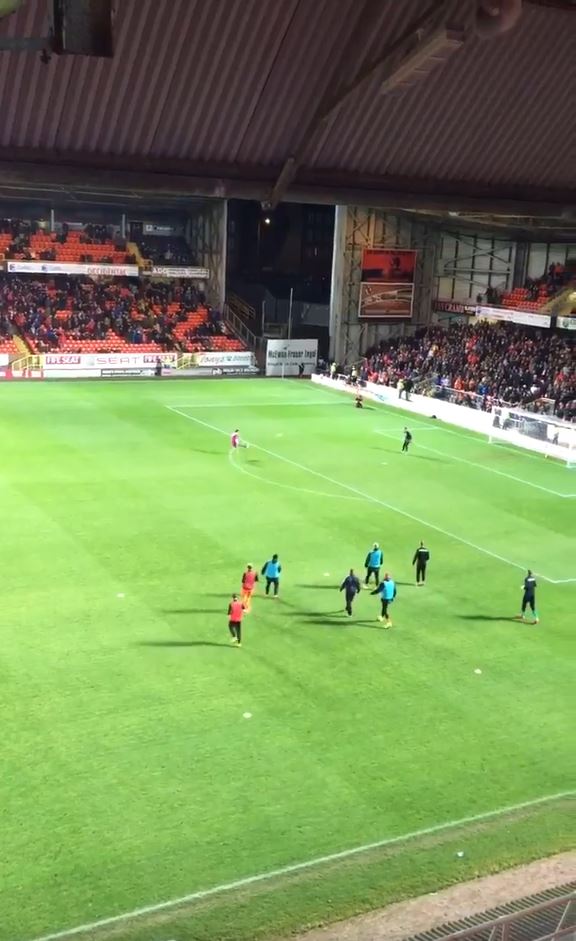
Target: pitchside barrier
x=110 y=365
x=549 y=436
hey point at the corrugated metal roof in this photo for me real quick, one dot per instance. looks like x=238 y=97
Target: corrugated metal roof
x=237 y=82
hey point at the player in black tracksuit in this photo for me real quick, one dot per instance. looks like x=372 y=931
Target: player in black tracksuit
x=529 y=598
x=420 y=560
x=407 y=439
x=350 y=585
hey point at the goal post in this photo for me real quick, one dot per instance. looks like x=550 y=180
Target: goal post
x=545 y=434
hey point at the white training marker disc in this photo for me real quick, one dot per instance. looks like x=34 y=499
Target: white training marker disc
x=247 y=715
x=459 y=854
x=478 y=670
x=120 y=594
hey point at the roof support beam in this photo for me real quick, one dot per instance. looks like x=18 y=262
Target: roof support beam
x=424 y=43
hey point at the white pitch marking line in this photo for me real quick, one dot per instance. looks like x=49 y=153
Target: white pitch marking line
x=275 y=483
x=369 y=497
x=318 y=402
x=484 y=467
x=299 y=867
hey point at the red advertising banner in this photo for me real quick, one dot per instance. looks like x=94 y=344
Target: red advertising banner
x=387 y=288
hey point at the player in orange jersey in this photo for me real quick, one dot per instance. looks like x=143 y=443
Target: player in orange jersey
x=249 y=579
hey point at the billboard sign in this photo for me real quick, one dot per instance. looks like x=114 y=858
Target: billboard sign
x=387 y=283
x=283 y=357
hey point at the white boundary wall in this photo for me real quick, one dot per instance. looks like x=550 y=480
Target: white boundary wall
x=459 y=415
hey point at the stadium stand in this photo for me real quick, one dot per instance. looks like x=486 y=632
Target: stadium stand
x=483 y=361
x=24 y=241
x=161 y=250
x=80 y=315
x=535 y=293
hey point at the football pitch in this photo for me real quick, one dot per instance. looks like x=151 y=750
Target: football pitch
x=328 y=766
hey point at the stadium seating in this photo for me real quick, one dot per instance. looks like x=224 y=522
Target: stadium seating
x=523 y=298
x=79 y=315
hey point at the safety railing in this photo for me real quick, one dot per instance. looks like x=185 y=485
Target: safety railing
x=551 y=920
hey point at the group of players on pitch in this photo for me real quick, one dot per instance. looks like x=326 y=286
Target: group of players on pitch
x=271 y=570
x=351 y=586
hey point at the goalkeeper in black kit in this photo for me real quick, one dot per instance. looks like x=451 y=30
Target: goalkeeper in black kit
x=421 y=560
x=407 y=440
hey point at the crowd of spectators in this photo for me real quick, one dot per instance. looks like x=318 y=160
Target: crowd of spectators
x=484 y=364
x=50 y=313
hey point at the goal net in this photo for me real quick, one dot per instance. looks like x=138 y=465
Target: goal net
x=543 y=433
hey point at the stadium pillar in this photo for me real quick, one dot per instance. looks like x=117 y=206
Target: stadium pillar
x=206 y=232
x=520 y=264
x=357 y=228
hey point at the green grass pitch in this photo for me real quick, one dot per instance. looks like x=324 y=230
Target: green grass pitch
x=129 y=775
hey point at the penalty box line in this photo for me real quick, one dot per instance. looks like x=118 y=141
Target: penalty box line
x=376 y=500
x=300 y=867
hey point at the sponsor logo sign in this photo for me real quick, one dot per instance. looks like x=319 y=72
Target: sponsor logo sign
x=175 y=271
x=453 y=307
x=222 y=358
x=283 y=357
x=513 y=316
x=108 y=361
x=55 y=267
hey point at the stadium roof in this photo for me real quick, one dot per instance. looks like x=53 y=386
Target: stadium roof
x=306 y=100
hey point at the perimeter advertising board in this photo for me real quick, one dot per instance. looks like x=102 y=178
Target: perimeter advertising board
x=57 y=267
x=513 y=316
x=283 y=357
x=453 y=307
x=103 y=365
x=174 y=271
x=387 y=283
x=218 y=359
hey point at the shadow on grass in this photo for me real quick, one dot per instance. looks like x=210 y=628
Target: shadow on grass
x=180 y=643
x=322 y=587
x=412 y=454
x=219 y=594
x=195 y=610
x=345 y=622
x=489 y=617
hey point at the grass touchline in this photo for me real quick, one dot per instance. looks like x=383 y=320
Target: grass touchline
x=300 y=867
